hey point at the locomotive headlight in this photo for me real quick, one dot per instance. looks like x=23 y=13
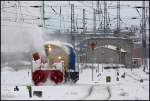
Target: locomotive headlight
x=59 y=57
x=50 y=49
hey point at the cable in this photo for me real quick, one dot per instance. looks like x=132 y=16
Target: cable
x=22 y=22
x=7 y=7
x=54 y=8
x=24 y=18
x=138 y=11
x=16 y=13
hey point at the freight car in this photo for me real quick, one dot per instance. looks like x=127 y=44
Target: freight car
x=58 y=66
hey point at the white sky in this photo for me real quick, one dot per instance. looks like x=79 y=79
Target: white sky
x=126 y=12
x=54 y=22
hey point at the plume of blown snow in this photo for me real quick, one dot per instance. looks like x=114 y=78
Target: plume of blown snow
x=19 y=41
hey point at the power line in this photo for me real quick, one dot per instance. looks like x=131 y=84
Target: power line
x=4 y=11
x=55 y=7
x=118 y=17
x=22 y=22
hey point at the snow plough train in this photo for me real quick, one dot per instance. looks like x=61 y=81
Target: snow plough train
x=57 y=66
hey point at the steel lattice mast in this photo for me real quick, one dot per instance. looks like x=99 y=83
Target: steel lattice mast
x=143 y=30
x=118 y=17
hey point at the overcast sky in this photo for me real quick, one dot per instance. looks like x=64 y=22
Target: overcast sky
x=52 y=10
x=127 y=12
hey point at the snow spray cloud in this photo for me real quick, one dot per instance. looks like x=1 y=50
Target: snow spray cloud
x=57 y=36
x=19 y=41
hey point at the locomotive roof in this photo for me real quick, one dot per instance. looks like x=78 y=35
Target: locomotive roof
x=64 y=45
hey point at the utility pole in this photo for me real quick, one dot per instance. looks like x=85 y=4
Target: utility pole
x=99 y=12
x=77 y=25
x=94 y=21
x=60 y=19
x=98 y=5
x=72 y=18
x=43 y=14
x=144 y=60
x=84 y=21
x=118 y=28
x=105 y=17
x=72 y=25
x=118 y=17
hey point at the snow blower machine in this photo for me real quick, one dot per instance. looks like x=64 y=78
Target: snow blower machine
x=57 y=67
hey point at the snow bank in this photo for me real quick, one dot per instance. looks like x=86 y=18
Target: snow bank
x=8 y=93
x=10 y=77
x=98 y=92
x=128 y=91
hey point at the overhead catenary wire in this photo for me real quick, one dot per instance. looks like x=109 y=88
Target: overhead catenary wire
x=29 y=16
x=5 y=11
x=53 y=10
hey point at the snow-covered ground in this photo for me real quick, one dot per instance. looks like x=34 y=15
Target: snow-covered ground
x=126 y=88
x=21 y=37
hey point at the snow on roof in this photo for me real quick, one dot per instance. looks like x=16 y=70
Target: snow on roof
x=60 y=44
x=111 y=47
x=105 y=37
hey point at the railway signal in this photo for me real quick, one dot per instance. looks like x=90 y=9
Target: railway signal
x=93 y=45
